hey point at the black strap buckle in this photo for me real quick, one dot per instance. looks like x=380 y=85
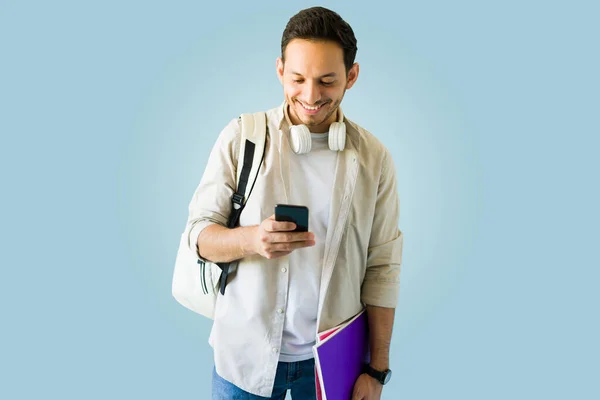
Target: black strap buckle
x=237 y=200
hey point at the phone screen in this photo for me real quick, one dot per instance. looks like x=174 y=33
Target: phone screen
x=293 y=213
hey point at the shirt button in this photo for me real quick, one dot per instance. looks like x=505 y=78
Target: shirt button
x=284 y=269
x=280 y=310
x=275 y=350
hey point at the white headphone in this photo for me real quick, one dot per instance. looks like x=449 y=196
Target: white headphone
x=301 y=140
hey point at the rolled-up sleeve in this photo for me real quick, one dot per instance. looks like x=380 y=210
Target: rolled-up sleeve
x=211 y=202
x=381 y=284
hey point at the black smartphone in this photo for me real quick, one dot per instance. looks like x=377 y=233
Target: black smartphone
x=292 y=213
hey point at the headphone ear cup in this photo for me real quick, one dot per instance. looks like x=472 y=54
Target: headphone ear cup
x=301 y=140
x=337 y=136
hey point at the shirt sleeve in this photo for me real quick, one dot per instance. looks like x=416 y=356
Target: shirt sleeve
x=381 y=284
x=211 y=202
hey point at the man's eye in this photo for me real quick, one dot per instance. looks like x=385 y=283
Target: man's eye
x=322 y=83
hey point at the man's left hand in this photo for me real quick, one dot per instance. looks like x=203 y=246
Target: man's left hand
x=367 y=388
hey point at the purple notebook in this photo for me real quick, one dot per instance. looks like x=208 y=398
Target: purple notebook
x=340 y=357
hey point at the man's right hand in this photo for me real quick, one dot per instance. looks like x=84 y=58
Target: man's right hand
x=275 y=239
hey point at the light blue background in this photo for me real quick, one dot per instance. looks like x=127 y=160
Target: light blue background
x=108 y=111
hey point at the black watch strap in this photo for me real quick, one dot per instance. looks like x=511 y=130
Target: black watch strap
x=382 y=376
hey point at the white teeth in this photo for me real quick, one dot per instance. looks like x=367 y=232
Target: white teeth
x=311 y=108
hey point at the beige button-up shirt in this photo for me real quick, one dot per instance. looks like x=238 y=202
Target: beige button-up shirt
x=363 y=248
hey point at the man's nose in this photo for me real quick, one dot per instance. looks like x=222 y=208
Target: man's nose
x=312 y=94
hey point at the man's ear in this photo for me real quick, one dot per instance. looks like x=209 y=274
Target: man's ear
x=279 y=68
x=352 y=75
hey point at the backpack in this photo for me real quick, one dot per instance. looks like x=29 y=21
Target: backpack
x=196 y=284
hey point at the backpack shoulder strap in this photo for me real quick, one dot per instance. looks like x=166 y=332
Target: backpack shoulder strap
x=252 y=146
x=251 y=156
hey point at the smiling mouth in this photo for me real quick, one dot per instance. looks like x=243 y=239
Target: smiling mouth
x=311 y=109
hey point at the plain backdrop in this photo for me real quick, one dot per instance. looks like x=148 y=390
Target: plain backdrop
x=108 y=111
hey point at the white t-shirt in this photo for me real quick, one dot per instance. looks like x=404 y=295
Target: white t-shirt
x=312 y=177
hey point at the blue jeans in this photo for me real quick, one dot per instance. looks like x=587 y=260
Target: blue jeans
x=298 y=377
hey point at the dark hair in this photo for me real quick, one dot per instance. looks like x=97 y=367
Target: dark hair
x=319 y=23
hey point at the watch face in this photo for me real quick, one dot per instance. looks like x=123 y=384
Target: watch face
x=387 y=376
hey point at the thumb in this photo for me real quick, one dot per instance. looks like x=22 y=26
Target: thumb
x=357 y=395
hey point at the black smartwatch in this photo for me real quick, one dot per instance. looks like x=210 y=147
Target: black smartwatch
x=382 y=376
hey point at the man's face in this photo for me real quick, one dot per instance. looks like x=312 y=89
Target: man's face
x=314 y=82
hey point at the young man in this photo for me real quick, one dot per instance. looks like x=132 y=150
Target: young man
x=290 y=285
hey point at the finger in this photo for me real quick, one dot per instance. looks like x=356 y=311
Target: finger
x=356 y=395
x=358 y=392
x=277 y=226
x=290 y=246
x=290 y=237
x=277 y=254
